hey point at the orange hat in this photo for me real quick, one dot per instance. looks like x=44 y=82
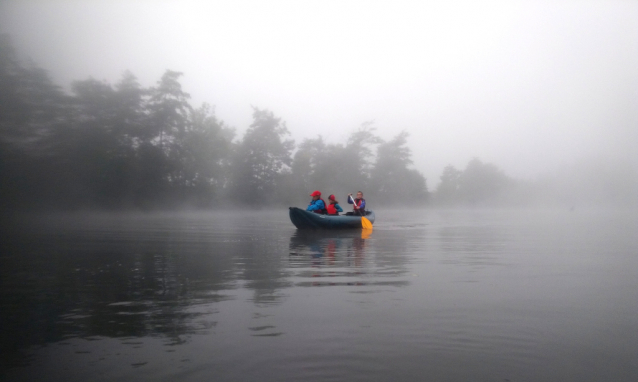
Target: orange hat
x=316 y=193
x=331 y=197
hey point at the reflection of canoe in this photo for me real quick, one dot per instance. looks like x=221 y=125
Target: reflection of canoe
x=309 y=220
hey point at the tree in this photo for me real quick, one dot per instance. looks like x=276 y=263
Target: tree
x=306 y=164
x=131 y=103
x=482 y=183
x=159 y=150
x=261 y=158
x=447 y=191
x=32 y=112
x=358 y=154
x=479 y=184
x=98 y=150
x=205 y=148
x=169 y=108
x=391 y=179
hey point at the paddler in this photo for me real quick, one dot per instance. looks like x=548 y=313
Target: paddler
x=317 y=205
x=359 y=204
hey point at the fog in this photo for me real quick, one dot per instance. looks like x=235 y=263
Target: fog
x=535 y=88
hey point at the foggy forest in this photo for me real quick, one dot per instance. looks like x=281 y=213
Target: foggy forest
x=125 y=146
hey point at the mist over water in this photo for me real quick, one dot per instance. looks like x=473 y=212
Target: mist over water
x=436 y=294
x=504 y=132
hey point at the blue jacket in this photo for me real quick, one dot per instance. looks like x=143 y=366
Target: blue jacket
x=317 y=206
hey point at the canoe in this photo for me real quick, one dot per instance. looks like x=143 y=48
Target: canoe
x=303 y=219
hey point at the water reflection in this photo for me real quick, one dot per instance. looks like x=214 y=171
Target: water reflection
x=260 y=268
x=63 y=286
x=350 y=257
x=120 y=278
x=100 y=280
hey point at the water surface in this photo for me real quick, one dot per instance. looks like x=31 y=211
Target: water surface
x=432 y=295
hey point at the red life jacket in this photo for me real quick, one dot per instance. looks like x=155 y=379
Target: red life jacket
x=331 y=209
x=357 y=202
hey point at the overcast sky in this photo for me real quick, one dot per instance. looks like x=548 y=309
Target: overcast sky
x=528 y=86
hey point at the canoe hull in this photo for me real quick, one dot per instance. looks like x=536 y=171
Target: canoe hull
x=303 y=219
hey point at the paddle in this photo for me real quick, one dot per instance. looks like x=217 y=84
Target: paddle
x=365 y=223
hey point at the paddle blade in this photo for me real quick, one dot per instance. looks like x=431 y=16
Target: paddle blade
x=365 y=233
x=365 y=223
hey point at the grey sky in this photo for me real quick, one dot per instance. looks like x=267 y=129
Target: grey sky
x=529 y=86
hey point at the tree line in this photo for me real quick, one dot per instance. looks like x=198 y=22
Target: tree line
x=125 y=146
x=122 y=146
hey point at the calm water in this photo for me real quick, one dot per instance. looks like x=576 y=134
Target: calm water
x=434 y=296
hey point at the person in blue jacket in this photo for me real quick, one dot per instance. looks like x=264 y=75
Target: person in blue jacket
x=359 y=204
x=317 y=205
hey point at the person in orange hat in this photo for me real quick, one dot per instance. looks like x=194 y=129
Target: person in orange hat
x=317 y=205
x=333 y=206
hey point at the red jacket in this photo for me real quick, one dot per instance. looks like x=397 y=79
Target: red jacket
x=333 y=209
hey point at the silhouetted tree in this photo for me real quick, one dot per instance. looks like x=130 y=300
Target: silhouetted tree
x=32 y=111
x=358 y=154
x=391 y=179
x=482 y=183
x=101 y=154
x=205 y=148
x=332 y=172
x=131 y=105
x=168 y=109
x=447 y=190
x=260 y=159
x=160 y=151
x=306 y=163
x=479 y=184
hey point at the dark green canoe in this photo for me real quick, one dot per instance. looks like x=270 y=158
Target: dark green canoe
x=303 y=219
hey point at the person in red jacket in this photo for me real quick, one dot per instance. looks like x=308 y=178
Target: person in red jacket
x=333 y=206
